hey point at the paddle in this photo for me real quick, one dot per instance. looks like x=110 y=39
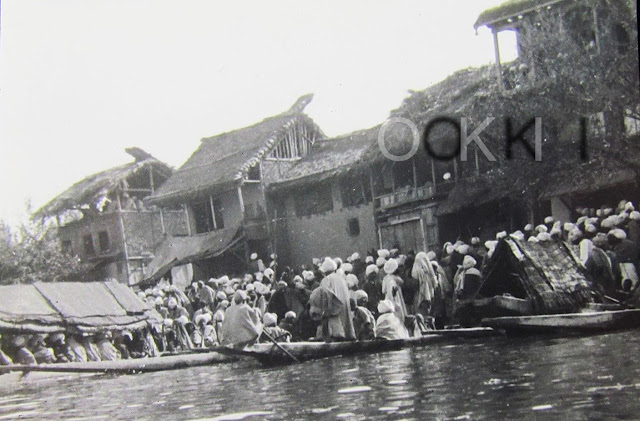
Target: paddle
x=280 y=347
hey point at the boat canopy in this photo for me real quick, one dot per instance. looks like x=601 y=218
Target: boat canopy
x=547 y=272
x=72 y=306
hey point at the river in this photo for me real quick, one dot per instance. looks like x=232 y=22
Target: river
x=592 y=377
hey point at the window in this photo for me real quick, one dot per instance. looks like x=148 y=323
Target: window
x=355 y=190
x=207 y=215
x=254 y=173
x=314 y=199
x=202 y=216
x=103 y=241
x=88 y=245
x=217 y=208
x=353 y=227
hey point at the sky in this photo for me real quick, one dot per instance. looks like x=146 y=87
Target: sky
x=81 y=80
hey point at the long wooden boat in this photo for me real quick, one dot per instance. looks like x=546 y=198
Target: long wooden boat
x=130 y=366
x=502 y=306
x=567 y=324
x=270 y=354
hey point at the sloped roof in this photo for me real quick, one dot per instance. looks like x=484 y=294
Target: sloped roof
x=79 y=306
x=549 y=272
x=329 y=157
x=588 y=178
x=92 y=188
x=175 y=251
x=221 y=161
x=510 y=9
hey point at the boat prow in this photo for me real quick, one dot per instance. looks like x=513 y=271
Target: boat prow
x=588 y=322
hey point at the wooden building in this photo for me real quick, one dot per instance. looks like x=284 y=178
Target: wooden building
x=102 y=219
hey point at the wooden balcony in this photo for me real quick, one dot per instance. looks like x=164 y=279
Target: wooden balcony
x=411 y=194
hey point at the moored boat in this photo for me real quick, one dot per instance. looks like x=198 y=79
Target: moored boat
x=587 y=322
x=270 y=354
x=130 y=366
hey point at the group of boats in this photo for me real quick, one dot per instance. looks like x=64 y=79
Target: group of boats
x=589 y=321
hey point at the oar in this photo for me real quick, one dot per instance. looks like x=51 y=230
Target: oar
x=280 y=347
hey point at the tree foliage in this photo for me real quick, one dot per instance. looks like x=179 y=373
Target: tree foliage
x=33 y=253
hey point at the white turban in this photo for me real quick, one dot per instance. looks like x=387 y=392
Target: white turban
x=249 y=287
x=463 y=249
x=328 y=266
x=635 y=215
x=254 y=256
x=468 y=262
x=371 y=269
x=568 y=226
x=203 y=318
x=338 y=261
x=475 y=240
x=385 y=306
x=544 y=236
x=172 y=302
x=501 y=234
x=355 y=256
x=352 y=281
x=224 y=280
x=239 y=296
x=548 y=220
x=360 y=294
x=347 y=267
x=518 y=235
x=618 y=233
x=542 y=228
x=390 y=266
x=270 y=319
x=290 y=315
x=528 y=227
x=629 y=207
x=369 y=259
x=268 y=272
x=380 y=261
x=383 y=253
x=308 y=275
x=607 y=211
x=533 y=239
x=591 y=228
x=431 y=255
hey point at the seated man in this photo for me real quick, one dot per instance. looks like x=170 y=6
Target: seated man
x=363 y=321
x=241 y=325
x=388 y=325
x=271 y=330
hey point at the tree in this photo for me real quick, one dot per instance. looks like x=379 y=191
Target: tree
x=33 y=253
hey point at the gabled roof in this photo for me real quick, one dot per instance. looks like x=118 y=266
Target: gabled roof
x=94 y=187
x=548 y=273
x=510 y=9
x=221 y=161
x=330 y=157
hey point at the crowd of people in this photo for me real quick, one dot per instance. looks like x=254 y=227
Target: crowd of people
x=385 y=294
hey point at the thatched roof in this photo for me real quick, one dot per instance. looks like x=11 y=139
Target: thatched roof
x=93 y=188
x=330 y=157
x=221 y=161
x=498 y=15
x=548 y=273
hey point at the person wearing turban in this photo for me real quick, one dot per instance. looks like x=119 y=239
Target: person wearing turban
x=373 y=288
x=272 y=330
x=241 y=325
x=625 y=258
x=388 y=325
x=429 y=290
x=329 y=303
x=363 y=321
x=467 y=282
x=392 y=288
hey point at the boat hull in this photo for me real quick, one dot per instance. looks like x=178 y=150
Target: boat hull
x=130 y=366
x=269 y=354
x=567 y=324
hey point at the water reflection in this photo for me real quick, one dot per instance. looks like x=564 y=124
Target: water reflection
x=584 y=378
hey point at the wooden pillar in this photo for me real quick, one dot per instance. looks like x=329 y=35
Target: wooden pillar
x=124 y=237
x=213 y=213
x=496 y=51
x=151 y=179
x=241 y=200
x=186 y=213
x=415 y=174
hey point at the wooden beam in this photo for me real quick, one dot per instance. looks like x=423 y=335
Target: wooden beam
x=241 y=200
x=213 y=213
x=496 y=51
